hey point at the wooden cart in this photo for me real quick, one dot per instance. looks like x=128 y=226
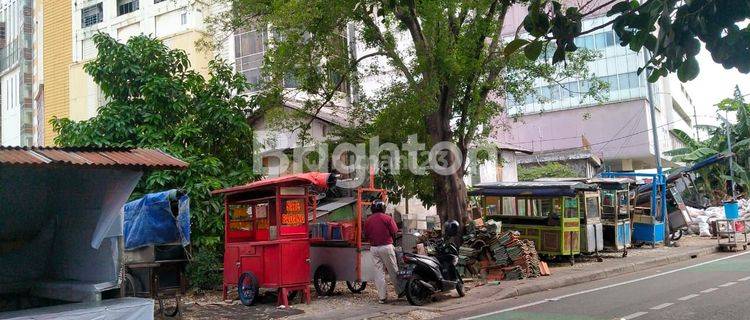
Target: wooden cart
x=549 y=213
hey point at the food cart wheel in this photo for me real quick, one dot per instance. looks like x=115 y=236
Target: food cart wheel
x=356 y=286
x=248 y=288
x=324 y=280
x=166 y=310
x=130 y=286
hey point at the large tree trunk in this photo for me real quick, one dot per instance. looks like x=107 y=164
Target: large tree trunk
x=450 y=190
x=450 y=196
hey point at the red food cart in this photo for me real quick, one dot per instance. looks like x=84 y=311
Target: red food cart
x=266 y=235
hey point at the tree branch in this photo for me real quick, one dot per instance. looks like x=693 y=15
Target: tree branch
x=389 y=50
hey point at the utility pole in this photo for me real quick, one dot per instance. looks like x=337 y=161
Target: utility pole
x=728 y=130
x=657 y=153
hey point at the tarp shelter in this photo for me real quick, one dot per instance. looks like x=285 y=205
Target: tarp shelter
x=149 y=220
x=61 y=220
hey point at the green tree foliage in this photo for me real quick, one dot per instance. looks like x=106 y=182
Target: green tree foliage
x=671 y=30
x=549 y=170
x=714 y=178
x=154 y=100
x=445 y=63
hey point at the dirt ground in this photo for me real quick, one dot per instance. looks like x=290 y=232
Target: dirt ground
x=209 y=305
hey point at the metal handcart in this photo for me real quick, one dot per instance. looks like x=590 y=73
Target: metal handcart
x=157 y=237
x=732 y=234
x=338 y=251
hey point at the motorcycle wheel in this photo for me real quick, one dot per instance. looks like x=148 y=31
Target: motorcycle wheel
x=460 y=287
x=677 y=235
x=416 y=294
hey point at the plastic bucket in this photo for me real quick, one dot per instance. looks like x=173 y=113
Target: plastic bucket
x=732 y=209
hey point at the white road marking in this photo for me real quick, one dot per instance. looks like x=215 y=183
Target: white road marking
x=688 y=297
x=728 y=284
x=743 y=279
x=709 y=290
x=633 y=315
x=604 y=287
x=662 y=306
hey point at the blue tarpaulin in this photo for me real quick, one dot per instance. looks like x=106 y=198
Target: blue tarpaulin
x=149 y=220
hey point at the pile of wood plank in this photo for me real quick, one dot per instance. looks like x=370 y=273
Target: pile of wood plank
x=498 y=256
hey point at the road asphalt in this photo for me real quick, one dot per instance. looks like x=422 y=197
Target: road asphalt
x=715 y=286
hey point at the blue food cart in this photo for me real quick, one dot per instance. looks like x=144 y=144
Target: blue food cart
x=648 y=221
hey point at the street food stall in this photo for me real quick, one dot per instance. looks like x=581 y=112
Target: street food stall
x=592 y=235
x=61 y=230
x=156 y=241
x=547 y=212
x=616 y=210
x=649 y=208
x=592 y=239
x=266 y=235
x=338 y=250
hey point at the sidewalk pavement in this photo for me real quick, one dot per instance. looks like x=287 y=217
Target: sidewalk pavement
x=562 y=275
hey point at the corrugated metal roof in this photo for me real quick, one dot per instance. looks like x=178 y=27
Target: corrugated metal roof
x=90 y=156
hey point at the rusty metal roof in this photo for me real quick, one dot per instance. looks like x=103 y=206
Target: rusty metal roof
x=90 y=156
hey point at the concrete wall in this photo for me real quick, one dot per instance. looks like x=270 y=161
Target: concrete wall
x=57 y=53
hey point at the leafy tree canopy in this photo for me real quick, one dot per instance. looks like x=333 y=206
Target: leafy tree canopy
x=549 y=170
x=671 y=30
x=714 y=177
x=443 y=68
x=154 y=100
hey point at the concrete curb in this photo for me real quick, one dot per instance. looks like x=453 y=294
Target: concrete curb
x=586 y=276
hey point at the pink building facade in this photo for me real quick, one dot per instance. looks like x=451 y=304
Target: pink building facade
x=617 y=130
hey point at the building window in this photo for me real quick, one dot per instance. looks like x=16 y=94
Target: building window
x=157 y=1
x=92 y=15
x=183 y=18
x=249 y=48
x=126 y=6
x=596 y=41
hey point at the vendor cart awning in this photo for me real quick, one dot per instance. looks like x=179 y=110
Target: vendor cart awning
x=90 y=156
x=319 y=179
x=532 y=188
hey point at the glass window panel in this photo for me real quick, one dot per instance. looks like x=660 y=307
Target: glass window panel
x=571 y=207
x=601 y=40
x=572 y=89
x=634 y=80
x=588 y=42
x=610 y=38
x=578 y=41
x=624 y=82
x=612 y=81
x=592 y=207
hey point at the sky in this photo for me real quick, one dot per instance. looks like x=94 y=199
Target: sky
x=713 y=84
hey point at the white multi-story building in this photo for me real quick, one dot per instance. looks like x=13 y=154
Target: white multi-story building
x=179 y=23
x=16 y=108
x=617 y=130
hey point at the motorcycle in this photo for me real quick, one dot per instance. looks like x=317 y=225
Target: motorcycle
x=423 y=276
